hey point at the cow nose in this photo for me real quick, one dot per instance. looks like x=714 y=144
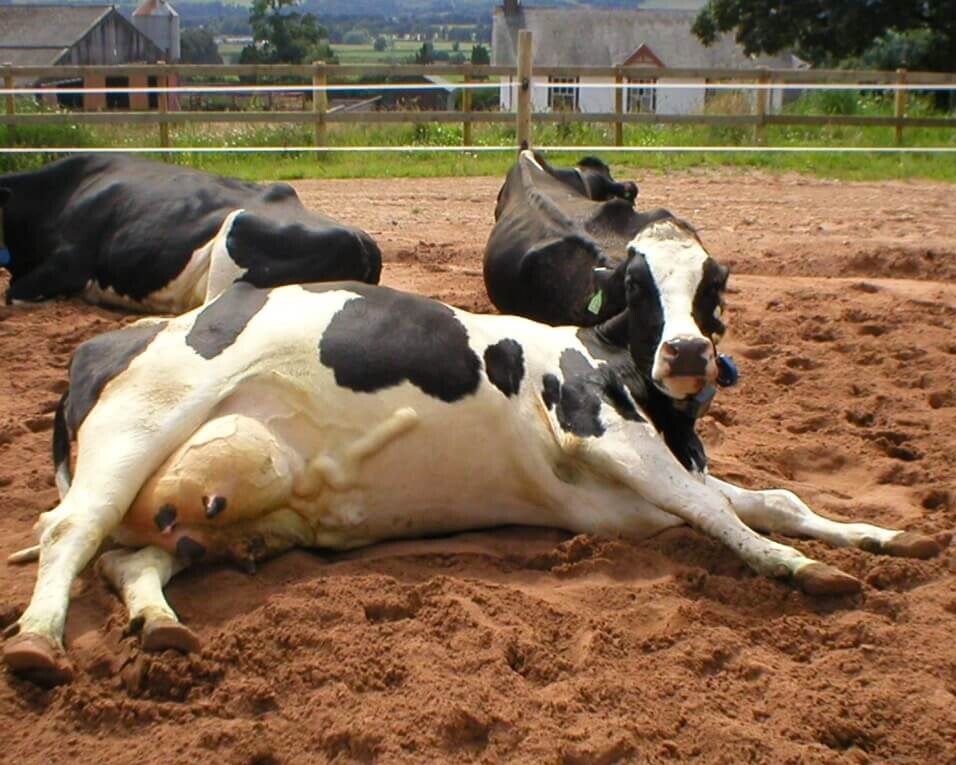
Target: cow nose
x=688 y=356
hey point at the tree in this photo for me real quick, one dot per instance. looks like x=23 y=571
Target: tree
x=425 y=54
x=198 y=47
x=380 y=44
x=282 y=36
x=357 y=36
x=480 y=55
x=828 y=31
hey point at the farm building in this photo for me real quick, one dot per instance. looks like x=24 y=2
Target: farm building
x=64 y=35
x=657 y=35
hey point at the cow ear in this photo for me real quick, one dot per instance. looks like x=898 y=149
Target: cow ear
x=5 y=195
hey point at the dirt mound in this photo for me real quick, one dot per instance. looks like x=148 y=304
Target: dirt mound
x=527 y=645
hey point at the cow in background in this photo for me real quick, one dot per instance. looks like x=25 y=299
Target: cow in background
x=153 y=237
x=559 y=241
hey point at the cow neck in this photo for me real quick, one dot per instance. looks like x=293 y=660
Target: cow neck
x=608 y=342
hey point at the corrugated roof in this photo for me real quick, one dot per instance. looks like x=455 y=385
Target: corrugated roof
x=600 y=37
x=26 y=27
x=31 y=56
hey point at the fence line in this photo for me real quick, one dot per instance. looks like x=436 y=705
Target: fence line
x=481 y=149
x=521 y=79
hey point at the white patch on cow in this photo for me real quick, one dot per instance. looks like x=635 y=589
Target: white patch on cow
x=528 y=156
x=223 y=270
x=676 y=259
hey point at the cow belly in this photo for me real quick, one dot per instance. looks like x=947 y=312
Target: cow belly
x=240 y=478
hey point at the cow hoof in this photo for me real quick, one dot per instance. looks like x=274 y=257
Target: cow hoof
x=39 y=659
x=821 y=579
x=168 y=634
x=909 y=544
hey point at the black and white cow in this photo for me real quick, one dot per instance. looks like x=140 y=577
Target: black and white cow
x=556 y=251
x=336 y=415
x=150 y=236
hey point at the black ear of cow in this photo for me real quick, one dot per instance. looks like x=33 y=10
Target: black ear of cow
x=5 y=195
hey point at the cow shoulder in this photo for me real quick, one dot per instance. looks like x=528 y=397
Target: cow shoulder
x=99 y=360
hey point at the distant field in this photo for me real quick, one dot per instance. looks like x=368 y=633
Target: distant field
x=398 y=51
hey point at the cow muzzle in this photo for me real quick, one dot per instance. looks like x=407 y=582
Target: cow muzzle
x=685 y=366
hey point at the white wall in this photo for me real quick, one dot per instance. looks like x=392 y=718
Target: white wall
x=681 y=100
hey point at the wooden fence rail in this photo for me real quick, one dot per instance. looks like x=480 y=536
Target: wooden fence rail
x=318 y=76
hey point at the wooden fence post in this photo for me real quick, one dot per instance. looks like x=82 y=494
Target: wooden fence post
x=618 y=108
x=11 y=104
x=163 y=101
x=899 y=102
x=320 y=103
x=524 y=89
x=760 y=108
x=466 y=108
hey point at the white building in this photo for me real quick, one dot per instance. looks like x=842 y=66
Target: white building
x=657 y=35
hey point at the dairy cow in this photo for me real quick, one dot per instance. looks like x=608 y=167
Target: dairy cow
x=153 y=237
x=557 y=248
x=335 y=415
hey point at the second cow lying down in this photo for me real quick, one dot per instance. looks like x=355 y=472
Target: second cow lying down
x=152 y=237
x=336 y=415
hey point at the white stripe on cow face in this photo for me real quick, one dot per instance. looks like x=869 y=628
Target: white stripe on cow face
x=675 y=259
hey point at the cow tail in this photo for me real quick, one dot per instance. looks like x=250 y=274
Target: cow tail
x=61 y=447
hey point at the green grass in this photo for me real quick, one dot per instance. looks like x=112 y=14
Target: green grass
x=291 y=165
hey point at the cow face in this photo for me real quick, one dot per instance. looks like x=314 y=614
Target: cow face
x=674 y=293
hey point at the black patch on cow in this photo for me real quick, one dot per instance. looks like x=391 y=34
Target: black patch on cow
x=165 y=518
x=607 y=342
x=214 y=505
x=220 y=323
x=98 y=361
x=550 y=390
x=384 y=337
x=708 y=298
x=504 y=365
x=579 y=408
x=190 y=550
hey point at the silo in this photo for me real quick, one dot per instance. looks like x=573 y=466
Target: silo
x=159 y=21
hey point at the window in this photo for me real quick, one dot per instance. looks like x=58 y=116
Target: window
x=563 y=97
x=117 y=100
x=641 y=99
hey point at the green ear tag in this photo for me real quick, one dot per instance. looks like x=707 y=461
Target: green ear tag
x=596 y=302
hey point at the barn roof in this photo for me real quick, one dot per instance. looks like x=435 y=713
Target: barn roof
x=602 y=37
x=39 y=34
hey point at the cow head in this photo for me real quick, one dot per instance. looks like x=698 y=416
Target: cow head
x=674 y=292
x=593 y=165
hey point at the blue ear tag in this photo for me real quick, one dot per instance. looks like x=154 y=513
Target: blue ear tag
x=727 y=373
x=4 y=257
x=596 y=302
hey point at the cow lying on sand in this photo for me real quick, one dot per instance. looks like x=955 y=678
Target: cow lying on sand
x=555 y=251
x=148 y=236
x=337 y=415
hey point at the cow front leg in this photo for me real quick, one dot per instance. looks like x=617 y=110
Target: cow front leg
x=139 y=577
x=66 y=546
x=634 y=455
x=783 y=512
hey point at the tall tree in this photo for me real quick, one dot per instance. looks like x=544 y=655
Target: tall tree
x=827 y=31
x=480 y=55
x=198 y=47
x=282 y=36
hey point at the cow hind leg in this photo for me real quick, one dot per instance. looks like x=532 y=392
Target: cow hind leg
x=139 y=577
x=782 y=511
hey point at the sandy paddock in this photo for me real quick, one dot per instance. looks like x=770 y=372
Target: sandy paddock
x=525 y=645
